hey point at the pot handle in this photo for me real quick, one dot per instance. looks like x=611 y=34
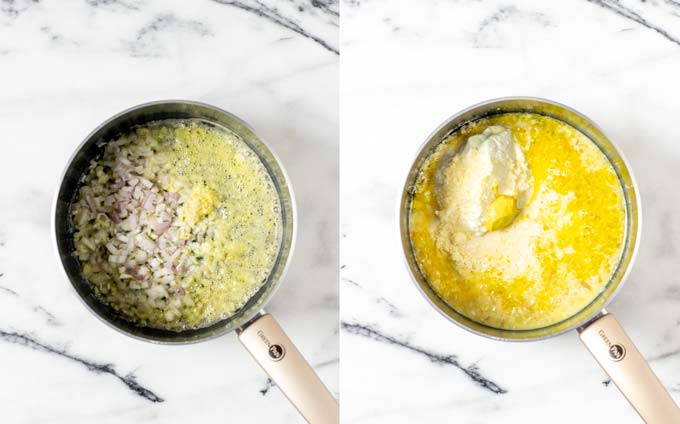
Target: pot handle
x=617 y=355
x=279 y=358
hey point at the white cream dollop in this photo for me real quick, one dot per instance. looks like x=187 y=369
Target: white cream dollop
x=486 y=177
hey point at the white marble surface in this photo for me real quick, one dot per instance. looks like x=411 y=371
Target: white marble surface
x=67 y=66
x=406 y=67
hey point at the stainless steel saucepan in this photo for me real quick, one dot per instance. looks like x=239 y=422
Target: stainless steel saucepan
x=599 y=330
x=257 y=330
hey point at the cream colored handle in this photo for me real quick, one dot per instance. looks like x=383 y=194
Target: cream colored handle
x=612 y=348
x=285 y=365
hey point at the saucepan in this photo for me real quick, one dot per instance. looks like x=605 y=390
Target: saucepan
x=257 y=330
x=599 y=330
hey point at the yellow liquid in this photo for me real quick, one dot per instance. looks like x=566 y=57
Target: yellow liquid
x=554 y=258
x=232 y=198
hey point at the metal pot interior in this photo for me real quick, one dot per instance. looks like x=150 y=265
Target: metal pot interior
x=576 y=120
x=92 y=148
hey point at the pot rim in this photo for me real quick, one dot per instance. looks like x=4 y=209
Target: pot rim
x=635 y=228
x=243 y=320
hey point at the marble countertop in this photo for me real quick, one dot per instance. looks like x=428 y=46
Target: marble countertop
x=65 y=67
x=408 y=67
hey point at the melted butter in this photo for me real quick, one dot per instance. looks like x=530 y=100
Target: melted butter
x=500 y=213
x=233 y=208
x=553 y=257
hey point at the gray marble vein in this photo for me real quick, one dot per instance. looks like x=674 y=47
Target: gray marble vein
x=113 y=3
x=14 y=8
x=350 y=281
x=507 y=13
x=56 y=38
x=486 y=35
x=7 y=290
x=130 y=380
x=471 y=371
x=328 y=6
x=269 y=383
x=665 y=355
x=352 y=3
x=392 y=309
x=379 y=300
x=620 y=9
x=147 y=42
x=272 y=14
x=39 y=309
